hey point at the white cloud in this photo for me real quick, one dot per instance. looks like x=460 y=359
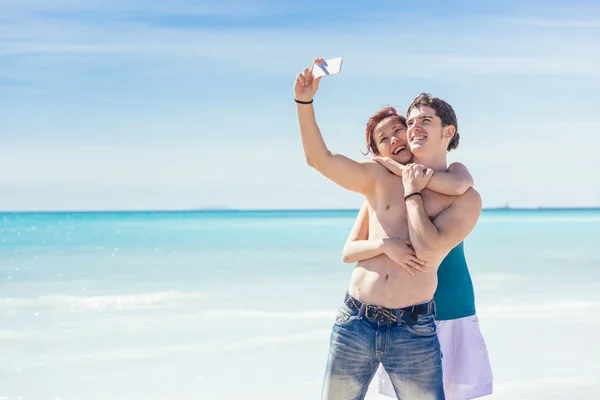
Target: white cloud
x=490 y=50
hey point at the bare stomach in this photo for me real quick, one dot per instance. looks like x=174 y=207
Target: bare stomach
x=381 y=282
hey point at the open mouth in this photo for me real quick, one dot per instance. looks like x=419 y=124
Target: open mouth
x=398 y=150
x=418 y=138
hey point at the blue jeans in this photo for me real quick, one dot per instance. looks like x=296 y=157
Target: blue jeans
x=404 y=342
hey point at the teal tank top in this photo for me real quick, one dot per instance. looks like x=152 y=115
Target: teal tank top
x=454 y=297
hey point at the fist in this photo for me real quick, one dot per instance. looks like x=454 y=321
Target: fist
x=415 y=177
x=305 y=85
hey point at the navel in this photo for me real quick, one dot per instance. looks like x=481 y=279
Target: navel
x=387 y=207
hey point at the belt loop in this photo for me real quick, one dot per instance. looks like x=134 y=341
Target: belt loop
x=361 y=311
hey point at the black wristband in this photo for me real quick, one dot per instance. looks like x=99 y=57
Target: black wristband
x=413 y=194
x=303 y=102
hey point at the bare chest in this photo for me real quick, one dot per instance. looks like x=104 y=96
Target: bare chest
x=387 y=209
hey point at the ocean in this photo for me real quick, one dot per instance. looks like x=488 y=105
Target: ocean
x=239 y=304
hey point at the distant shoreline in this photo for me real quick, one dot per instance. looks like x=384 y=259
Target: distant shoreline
x=258 y=210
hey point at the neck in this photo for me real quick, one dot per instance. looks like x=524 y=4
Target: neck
x=435 y=161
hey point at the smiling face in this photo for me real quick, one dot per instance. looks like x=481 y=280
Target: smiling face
x=426 y=132
x=431 y=118
x=390 y=139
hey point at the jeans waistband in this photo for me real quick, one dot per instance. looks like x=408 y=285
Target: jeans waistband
x=384 y=314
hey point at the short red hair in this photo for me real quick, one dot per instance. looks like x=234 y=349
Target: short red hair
x=384 y=113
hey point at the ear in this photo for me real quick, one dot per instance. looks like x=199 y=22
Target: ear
x=449 y=132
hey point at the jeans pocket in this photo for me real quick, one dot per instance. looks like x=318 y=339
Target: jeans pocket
x=345 y=315
x=424 y=326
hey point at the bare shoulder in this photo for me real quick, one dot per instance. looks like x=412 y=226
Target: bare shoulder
x=468 y=205
x=368 y=162
x=471 y=198
x=457 y=164
x=375 y=167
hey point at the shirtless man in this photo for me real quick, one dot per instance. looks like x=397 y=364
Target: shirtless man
x=388 y=312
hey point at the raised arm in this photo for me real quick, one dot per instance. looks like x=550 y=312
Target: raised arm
x=453 y=183
x=359 y=247
x=348 y=173
x=432 y=240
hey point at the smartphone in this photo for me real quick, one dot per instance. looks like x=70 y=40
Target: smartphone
x=332 y=66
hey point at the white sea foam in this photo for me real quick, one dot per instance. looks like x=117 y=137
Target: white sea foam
x=11 y=335
x=109 y=302
x=541 y=310
x=260 y=341
x=550 y=388
x=137 y=351
x=224 y=314
x=521 y=310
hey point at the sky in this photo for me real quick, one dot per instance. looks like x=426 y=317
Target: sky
x=131 y=104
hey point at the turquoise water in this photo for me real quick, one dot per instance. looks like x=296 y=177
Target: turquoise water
x=238 y=304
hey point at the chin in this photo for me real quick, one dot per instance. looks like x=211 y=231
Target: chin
x=416 y=149
x=402 y=158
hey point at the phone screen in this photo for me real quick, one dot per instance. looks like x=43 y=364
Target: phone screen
x=332 y=66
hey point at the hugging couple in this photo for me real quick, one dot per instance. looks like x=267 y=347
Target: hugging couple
x=408 y=316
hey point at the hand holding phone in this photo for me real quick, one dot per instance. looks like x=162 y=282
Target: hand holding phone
x=306 y=84
x=332 y=66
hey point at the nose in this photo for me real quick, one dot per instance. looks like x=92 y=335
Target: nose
x=393 y=140
x=414 y=128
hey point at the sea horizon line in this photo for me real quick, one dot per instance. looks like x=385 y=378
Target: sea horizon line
x=268 y=210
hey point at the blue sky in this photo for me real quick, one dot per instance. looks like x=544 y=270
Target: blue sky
x=184 y=104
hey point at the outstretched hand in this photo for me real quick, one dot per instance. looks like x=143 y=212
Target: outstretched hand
x=306 y=85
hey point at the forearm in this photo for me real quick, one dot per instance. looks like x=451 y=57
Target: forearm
x=315 y=150
x=449 y=183
x=360 y=250
x=423 y=234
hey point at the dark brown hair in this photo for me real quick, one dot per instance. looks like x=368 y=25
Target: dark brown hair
x=443 y=110
x=385 y=112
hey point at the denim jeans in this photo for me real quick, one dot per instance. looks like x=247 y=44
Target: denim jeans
x=408 y=349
